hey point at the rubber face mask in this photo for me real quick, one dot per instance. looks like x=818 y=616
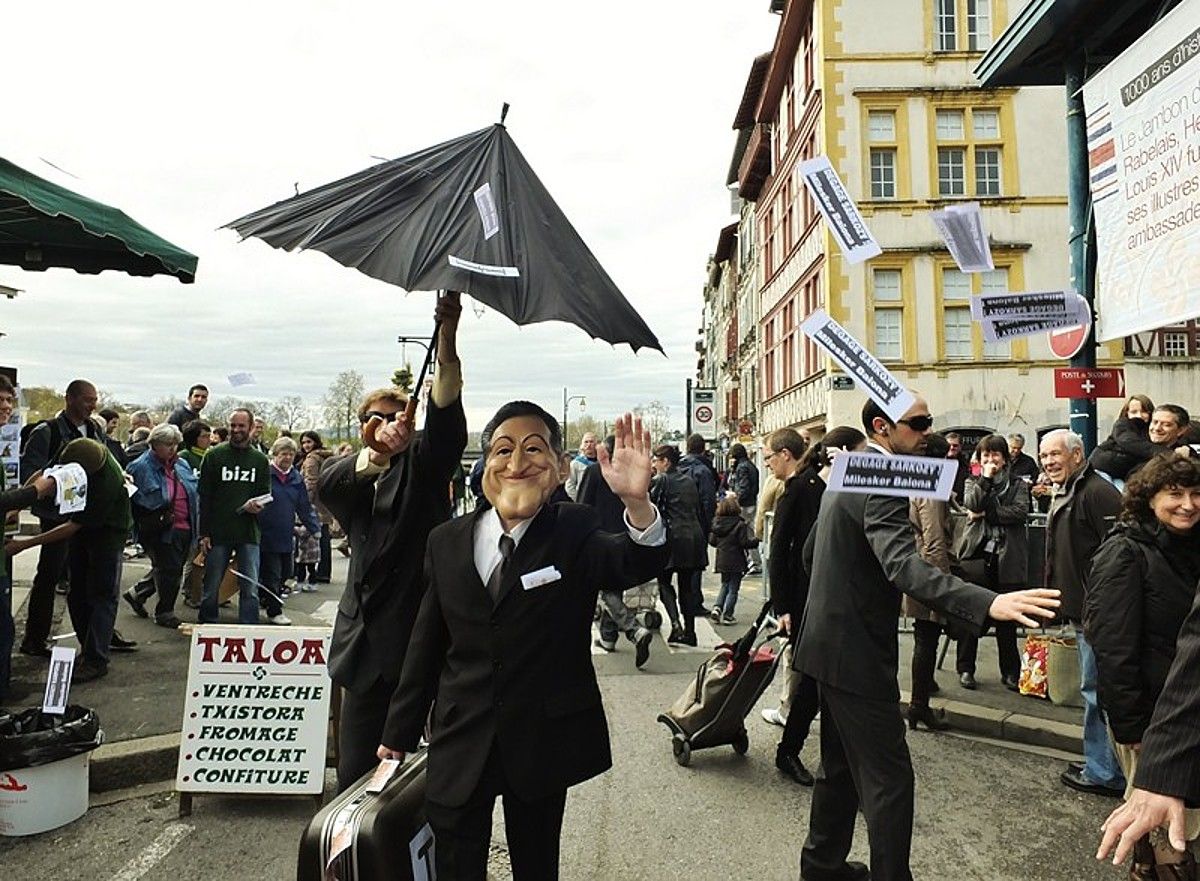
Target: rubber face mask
x=521 y=472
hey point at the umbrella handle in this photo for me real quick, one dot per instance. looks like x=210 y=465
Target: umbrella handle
x=410 y=408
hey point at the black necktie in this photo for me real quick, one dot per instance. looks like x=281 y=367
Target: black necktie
x=507 y=545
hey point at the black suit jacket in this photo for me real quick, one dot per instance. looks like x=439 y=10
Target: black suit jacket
x=388 y=520
x=864 y=556
x=518 y=673
x=1170 y=759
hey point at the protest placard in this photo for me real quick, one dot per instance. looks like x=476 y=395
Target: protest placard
x=909 y=476
x=839 y=210
x=1006 y=316
x=256 y=715
x=961 y=227
x=871 y=376
x=58 y=680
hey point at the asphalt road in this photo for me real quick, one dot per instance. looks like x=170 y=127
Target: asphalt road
x=983 y=812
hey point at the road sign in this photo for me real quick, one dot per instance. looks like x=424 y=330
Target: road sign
x=1067 y=342
x=703 y=406
x=1082 y=382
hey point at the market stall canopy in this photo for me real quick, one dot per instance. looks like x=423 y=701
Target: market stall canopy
x=44 y=225
x=466 y=215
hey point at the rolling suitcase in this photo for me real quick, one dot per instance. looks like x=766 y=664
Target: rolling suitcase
x=372 y=832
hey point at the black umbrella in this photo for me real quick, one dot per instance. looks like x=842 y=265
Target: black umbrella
x=466 y=215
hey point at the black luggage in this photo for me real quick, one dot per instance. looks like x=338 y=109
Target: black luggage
x=712 y=709
x=372 y=836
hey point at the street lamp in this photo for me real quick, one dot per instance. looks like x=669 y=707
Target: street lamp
x=566 y=401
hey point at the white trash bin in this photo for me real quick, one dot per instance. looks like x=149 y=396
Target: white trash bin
x=43 y=797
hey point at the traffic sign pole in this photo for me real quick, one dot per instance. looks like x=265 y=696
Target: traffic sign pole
x=1082 y=239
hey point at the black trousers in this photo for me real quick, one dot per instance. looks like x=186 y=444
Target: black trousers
x=803 y=706
x=324 y=569
x=92 y=598
x=924 y=659
x=1006 y=635
x=864 y=762
x=360 y=730
x=690 y=599
x=51 y=567
x=462 y=834
x=167 y=554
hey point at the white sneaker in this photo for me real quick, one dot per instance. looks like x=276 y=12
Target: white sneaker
x=774 y=717
x=280 y=619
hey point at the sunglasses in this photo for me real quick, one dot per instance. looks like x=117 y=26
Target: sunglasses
x=918 y=423
x=386 y=417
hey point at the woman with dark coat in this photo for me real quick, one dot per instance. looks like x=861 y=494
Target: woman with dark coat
x=997 y=507
x=677 y=498
x=313 y=455
x=931 y=520
x=1128 y=446
x=1141 y=586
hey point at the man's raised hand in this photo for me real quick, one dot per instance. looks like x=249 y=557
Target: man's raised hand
x=627 y=470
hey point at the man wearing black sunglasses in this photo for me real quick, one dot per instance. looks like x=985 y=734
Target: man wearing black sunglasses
x=861 y=556
x=388 y=498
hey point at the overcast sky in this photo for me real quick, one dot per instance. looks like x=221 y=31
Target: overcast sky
x=187 y=117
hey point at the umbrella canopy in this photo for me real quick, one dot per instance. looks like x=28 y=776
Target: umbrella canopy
x=466 y=215
x=44 y=225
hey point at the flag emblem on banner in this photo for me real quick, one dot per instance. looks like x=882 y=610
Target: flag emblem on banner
x=1102 y=154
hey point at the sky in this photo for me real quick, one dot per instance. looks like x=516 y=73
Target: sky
x=186 y=116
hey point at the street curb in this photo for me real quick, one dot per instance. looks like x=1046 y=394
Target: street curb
x=128 y=763
x=1005 y=725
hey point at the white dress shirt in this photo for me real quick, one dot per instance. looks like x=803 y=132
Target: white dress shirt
x=488 y=530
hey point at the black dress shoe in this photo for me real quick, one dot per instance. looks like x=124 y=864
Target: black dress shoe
x=37 y=650
x=86 y=672
x=135 y=602
x=1011 y=683
x=934 y=720
x=1076 y=767
x=118 y=643
x=794 y=768
x=641 y=648
x=967 y=681
x=1079 y=783
x=934 y=688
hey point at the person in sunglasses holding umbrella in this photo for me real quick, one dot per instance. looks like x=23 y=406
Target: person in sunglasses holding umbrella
x=387 y=498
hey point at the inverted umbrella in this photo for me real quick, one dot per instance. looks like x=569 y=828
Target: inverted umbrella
x=466 y=215
x=44 y=225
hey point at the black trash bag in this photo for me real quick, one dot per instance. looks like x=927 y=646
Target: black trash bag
x=31 y=737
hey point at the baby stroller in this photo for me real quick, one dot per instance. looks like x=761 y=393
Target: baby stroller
x=712 y=710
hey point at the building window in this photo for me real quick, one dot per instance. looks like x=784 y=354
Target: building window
x=888 y=331
x=881 y=132
x=1174 y=344
x=956 y=315
x=951 y=171
x=886 y=286
x=945 y=25
x=995 y=282
x=979 y=25
x=969 y=150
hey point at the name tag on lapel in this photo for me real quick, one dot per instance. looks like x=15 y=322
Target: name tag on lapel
x=530 y=580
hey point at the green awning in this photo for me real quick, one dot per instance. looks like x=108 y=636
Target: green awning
x=44 y=225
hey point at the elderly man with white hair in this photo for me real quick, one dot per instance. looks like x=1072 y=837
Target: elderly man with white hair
x=166 y=511
x=1083 y=509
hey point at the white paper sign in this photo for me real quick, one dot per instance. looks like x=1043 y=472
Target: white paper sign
x=1007 y=316
x=422 y=849
x=483 y=268
x=256 y=715
x=1143 y=156
x=488 y=214
x=236 y=379
x=909 y=476
x=839 y=210
x=70 y=487
x=58 y=680
x=871 y=376
x=961 y=227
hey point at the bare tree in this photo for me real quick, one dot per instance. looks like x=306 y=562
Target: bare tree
x=289 y=412
x=656 y=416
x=341 y=402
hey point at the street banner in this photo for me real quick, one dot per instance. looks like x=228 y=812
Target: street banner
x=256 y=715
x=839 y=210
x=871 y=376
x=1143 y=130
x=1089 y=382
x=909 y=476
x=961 y=227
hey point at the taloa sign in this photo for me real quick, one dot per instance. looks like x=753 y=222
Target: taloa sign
x=1143 y=122
x=257 y=710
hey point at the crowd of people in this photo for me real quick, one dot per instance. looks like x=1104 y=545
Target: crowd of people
x=1121 y=569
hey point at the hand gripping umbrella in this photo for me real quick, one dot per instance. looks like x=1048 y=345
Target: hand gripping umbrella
x=465 y=215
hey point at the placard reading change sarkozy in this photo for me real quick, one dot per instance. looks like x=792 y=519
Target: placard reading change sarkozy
x=839 y=210
x=871 y=376
x=908 y=476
